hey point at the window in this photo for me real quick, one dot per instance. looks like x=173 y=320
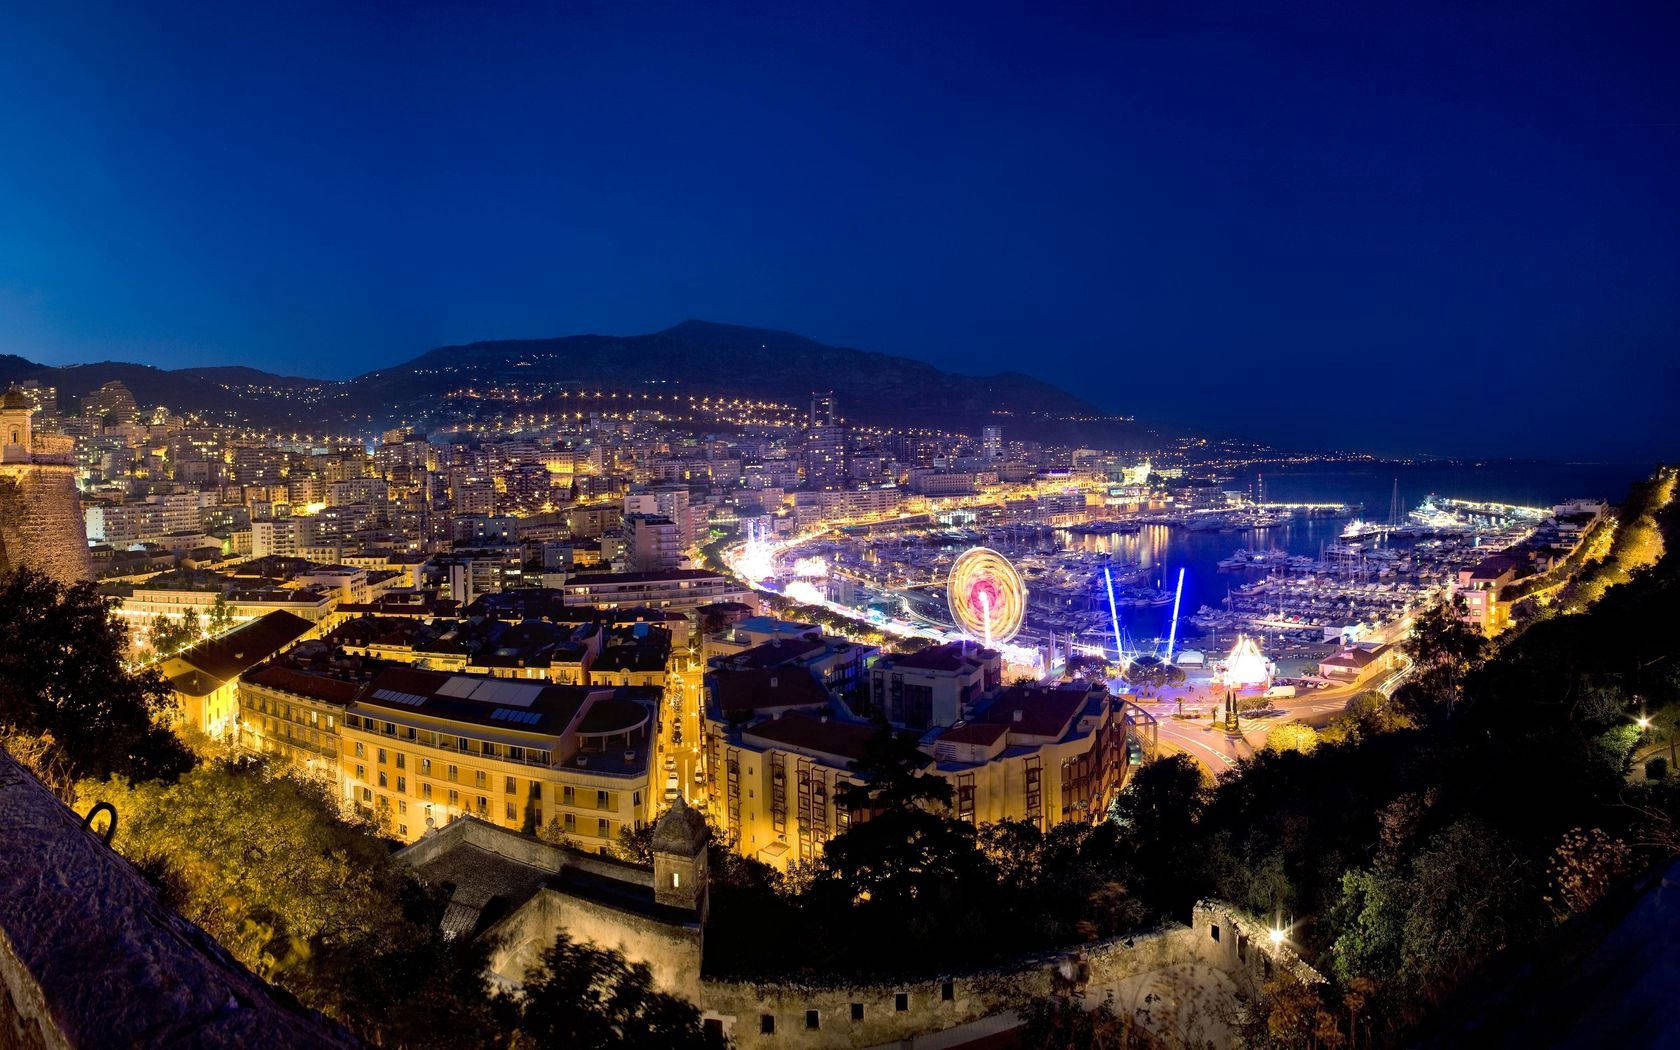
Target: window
x=454 y=797
x=462 y=742
x=602 y=827
x=600 y=800
x=483 y=806
x=367 y=795
x=947 y=992
x=382 y=779
x=402 y=760
x=857 y=1011
x=510 y=785
x=454 y=774
x=390 y=729
x=635 y=798
x=402 y=829
x=901 y=1002
x=479 y=778
x=361 y=749
x=813 y=1020
x=361 y=772
x=426 y=766
x=566 y=794
x=571 y=821
x=402 y=807
x=767 y=1024
x=512 y=811
x=516 y=754
x=1215 y=931
x=425 y=791
x=381 y=756
x=402 y=783
x=329 y=721
x=676 y=880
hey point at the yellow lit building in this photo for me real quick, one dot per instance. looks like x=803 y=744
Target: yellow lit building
x=778 y=748
x=205 y=677
x=420 y=748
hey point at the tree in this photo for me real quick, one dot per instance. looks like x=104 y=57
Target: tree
x=893 y=775
x=262 y=861
x=581 y=997
x=221 y=616
x=1292 y=736
x=1443 y=648
x=1059 y=1021
x=1159 y=812
x=62 y=680
x=1147 y=674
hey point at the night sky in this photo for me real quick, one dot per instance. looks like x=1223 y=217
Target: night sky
x=1449 y=229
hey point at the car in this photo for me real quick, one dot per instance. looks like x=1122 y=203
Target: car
x=670 y=763
x=672 y=794
x=1279 y=692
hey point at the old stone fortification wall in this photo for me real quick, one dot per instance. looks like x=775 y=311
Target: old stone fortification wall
x=670 y=950
x=41 y=521
x=90 y=959
x=931 y=1005
x=1192 y=980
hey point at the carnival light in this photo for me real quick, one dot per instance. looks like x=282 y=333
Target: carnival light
x=1247 y=666
x=986 y=595
x=812 y=567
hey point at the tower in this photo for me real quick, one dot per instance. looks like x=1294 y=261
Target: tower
x=679 y=859
x=41 y=523
x=16 y=433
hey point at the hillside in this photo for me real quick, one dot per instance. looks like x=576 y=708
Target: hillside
x=695 y=357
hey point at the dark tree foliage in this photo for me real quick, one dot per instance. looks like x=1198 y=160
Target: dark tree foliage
x=1060 y=1023
x=62 y=676
x=893 y=775
x=581 y=997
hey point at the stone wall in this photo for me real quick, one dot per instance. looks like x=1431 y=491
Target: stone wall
x=41 y=521
x=1183 y=983
x=670 y=950
x=897 y=1011
x=90 y=959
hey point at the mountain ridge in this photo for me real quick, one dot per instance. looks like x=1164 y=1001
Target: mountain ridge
x=694 y=356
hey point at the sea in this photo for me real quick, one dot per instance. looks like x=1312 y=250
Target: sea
x=1163 y=550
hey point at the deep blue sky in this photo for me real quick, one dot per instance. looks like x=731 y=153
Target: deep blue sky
x=1448 y=229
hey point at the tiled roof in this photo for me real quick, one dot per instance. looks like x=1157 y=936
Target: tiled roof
x=796 y=729
x=756 y=689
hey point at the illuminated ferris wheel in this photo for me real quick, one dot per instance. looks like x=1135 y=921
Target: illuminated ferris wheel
x=986 y=595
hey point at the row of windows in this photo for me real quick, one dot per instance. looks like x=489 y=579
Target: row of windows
x=603 y=799
x=451 y=742
x=813 y=1018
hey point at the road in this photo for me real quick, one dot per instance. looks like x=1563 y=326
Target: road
x=1219 y=751
x=679 y=733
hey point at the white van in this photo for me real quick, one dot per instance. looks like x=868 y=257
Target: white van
x=1279 y=692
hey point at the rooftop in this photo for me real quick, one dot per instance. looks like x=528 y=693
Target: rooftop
x=818 y=733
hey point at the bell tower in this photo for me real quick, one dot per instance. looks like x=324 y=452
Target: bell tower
x=16 y=431
x=679 y=859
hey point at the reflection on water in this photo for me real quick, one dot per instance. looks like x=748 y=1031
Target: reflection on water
x=1161 y=551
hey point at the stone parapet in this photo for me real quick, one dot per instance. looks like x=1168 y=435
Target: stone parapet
x=90 y=959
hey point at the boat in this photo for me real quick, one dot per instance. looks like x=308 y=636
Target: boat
x=1357 y=529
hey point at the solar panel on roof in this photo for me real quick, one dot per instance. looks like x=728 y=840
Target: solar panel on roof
x=506 y=714
x=459 y=686
x=392 y=696
x=511 y=694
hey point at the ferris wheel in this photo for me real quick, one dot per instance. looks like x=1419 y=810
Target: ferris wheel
x=986 y=595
